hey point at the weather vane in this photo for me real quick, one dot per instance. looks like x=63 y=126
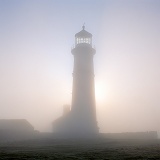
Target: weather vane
x=83 y=26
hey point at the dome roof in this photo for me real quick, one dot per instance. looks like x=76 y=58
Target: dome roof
x=83 y=33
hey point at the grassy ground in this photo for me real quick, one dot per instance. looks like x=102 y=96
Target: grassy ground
x=100 y=149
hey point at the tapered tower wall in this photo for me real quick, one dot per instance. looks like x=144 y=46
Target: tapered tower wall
x=81 y=120
x=83 y=92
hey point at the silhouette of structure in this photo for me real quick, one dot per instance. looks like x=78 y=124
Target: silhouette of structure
x=15 y=129
x=81 y=119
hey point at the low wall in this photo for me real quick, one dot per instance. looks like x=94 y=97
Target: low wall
x=131 y=135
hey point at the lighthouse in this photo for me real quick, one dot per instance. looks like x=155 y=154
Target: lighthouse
x=81 y=119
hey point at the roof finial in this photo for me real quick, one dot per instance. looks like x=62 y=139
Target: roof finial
x=83 y=27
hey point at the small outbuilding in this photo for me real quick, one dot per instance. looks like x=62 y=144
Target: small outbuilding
x=15 y=129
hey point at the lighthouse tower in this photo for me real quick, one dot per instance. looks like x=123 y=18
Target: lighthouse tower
x=81 y=120
x=83 y=92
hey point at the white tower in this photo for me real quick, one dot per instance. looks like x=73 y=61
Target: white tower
x=81 y=120
x=83 y=92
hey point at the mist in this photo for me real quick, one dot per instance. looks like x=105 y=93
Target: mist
x=36 y=63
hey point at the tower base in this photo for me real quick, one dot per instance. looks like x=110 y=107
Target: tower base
x=71 y=126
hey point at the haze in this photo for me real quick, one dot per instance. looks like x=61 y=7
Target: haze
x=36 y=63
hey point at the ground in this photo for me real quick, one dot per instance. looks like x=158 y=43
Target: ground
x=99 y=149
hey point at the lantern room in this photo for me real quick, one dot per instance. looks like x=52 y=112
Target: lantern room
x=83 y=37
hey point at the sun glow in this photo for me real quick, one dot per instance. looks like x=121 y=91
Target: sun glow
x=101 y=92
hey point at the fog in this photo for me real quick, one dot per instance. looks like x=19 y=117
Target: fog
x=36 y=63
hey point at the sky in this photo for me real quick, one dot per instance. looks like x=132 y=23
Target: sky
x=36 y=63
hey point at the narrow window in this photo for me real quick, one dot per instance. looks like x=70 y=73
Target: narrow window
x=86 y=40
x=89 y=40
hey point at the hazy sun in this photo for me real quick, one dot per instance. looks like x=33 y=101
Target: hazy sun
x=101 y=91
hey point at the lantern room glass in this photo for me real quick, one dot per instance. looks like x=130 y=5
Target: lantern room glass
x=80 y=40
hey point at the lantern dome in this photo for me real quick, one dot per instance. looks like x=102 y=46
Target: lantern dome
x=83 y=37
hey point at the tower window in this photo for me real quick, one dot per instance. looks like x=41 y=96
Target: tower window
x=86 y=40
x=83 y=40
